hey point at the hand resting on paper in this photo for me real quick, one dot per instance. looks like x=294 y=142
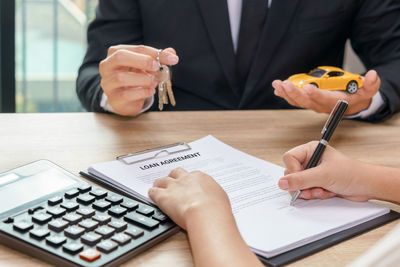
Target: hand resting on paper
x=199 y=205
x=182 y=194
x=338 y=175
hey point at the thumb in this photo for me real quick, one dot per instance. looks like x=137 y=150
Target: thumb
x=372 y=82
x=302 y=180
x=170 y=50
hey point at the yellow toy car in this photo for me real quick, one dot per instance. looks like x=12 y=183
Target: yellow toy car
x=329 y=78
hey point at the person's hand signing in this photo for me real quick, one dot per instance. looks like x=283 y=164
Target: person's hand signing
x=128 y=75
x=322 y=101
x=335 y=175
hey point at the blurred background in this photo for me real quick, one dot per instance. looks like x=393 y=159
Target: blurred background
x=50 y=43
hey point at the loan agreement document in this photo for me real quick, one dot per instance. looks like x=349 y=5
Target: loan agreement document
x=268 y=224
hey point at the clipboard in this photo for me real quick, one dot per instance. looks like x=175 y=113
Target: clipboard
x=276 y=261
x=153 y=153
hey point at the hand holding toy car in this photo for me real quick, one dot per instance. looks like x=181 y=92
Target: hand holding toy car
x=320 y=89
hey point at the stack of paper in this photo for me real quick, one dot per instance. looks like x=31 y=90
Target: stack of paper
x=268 y=224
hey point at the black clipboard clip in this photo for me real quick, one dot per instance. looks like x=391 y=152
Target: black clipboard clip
x=153 y=153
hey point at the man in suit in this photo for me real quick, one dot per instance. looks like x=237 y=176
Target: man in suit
x=233 y=54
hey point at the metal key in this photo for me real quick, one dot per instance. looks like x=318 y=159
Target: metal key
x=160 y=96
x=169 y=89
x=165 y=85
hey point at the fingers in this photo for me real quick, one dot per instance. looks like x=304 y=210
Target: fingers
x=372 y=83
x=122 y=97
x=157 y=194
x=302 y=180
x=163 y=182
x=316 y=193
x=167 y=56
x=298 y=157
x=309 y=97
x=178 y=172
x=323 y=101
x=284 y=90
x=127 y=58
x=127 y=79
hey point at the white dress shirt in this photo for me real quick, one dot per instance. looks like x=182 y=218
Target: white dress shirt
x=235 y=13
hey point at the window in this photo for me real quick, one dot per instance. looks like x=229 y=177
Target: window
x=50 y=43
x=317 y=73
x=335 y=74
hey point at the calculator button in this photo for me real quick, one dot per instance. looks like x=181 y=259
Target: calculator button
x=58 y=225
x=56 y=240
x=119 y=226
x=88 y=224
x=91 y=239
x=86 y=212
x=90 y=255
x=39 y=208
x=72 y=218
x=73 y=248
x=105 y=231
x=39 y=233
x=107 y=246
x=85 y=199
x=134 y=232
x=130 y=204
x=145 y=210
x=56 y=211
x=117 y=211
x=141 y=220
x=102 y=219
x=41 y=218
x=121 y=239
x=159 y=216
x=98 y=193
x=84 y=188
x=70 y=206
x=55 y=200
x=114 y=199
x=101 y=205
x=74 y=231
x=22 y=226
x=71 y=193
x=33 y=210
x=9 y=220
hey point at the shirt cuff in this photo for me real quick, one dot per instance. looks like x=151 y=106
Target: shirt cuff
x=376 y=103
x=106 y=106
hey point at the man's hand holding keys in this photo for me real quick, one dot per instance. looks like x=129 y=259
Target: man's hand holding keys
x=128 y=75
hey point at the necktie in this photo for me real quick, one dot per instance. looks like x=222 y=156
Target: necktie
x=252 y=21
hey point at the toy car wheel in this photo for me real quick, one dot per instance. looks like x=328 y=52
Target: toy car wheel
x=316 y=85
x=352 y=87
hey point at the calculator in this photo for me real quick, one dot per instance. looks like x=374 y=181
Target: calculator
x=52 y=215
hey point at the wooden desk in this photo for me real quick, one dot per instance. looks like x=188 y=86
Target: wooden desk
x=77 y=140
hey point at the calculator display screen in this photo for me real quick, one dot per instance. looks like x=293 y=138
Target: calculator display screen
x=21 y=190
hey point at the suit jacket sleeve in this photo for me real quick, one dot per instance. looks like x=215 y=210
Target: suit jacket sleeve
x=116 y=22
x=375 y=38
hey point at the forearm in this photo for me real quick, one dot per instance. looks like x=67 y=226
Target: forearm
x=216 y=241
x=382 y=183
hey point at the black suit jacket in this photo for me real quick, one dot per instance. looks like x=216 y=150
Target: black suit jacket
x=298 y=36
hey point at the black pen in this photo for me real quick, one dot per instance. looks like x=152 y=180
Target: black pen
x=333 y=120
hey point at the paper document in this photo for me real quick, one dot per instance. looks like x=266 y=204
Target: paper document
x=268 y=224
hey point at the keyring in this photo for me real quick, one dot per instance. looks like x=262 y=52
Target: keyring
x=158 y=58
